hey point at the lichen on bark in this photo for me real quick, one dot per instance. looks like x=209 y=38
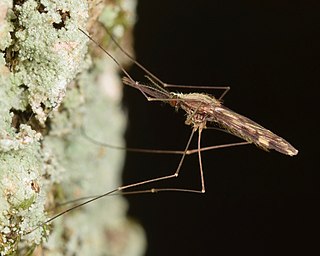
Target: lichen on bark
x=49 y=88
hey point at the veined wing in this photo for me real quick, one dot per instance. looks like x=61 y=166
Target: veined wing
x=250 y=131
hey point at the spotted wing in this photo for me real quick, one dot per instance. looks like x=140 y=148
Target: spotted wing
x=250 y=131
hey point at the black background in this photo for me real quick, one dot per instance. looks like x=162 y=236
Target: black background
x=257 y=203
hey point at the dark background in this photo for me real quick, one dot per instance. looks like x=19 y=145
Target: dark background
x=257 y=203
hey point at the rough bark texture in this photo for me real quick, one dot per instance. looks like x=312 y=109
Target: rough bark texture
x=47 y=92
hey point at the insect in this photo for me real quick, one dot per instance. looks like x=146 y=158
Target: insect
x=35 y=186
x=201 y=109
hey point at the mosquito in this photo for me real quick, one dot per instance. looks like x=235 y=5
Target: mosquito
x=200 y=109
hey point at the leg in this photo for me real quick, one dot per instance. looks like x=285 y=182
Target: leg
x=224 y=88
x=160 y=151
x=130 y=57
x=165 y=85
x=156 y=151
x=203 y=188
x=176 y=173
x=122 y=188
x=155 y=78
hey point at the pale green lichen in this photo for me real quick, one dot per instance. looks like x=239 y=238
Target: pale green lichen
x=44 y=51
x=50 y=49
x=22 y=206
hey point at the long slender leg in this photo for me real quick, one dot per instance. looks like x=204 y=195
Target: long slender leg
x=192 y=151
x=164 y=85
x=129 y=56
x=154 y=151
x=150 y=76
x=122 y=188
x=203 y=188
x=143 y=89
x=206 y=87
x=160 y=151
x=176 y=174
x=225 y=89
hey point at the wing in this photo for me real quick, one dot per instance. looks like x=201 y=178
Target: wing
x=250 y=131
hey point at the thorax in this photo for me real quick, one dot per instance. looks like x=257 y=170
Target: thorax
x=198 y=106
